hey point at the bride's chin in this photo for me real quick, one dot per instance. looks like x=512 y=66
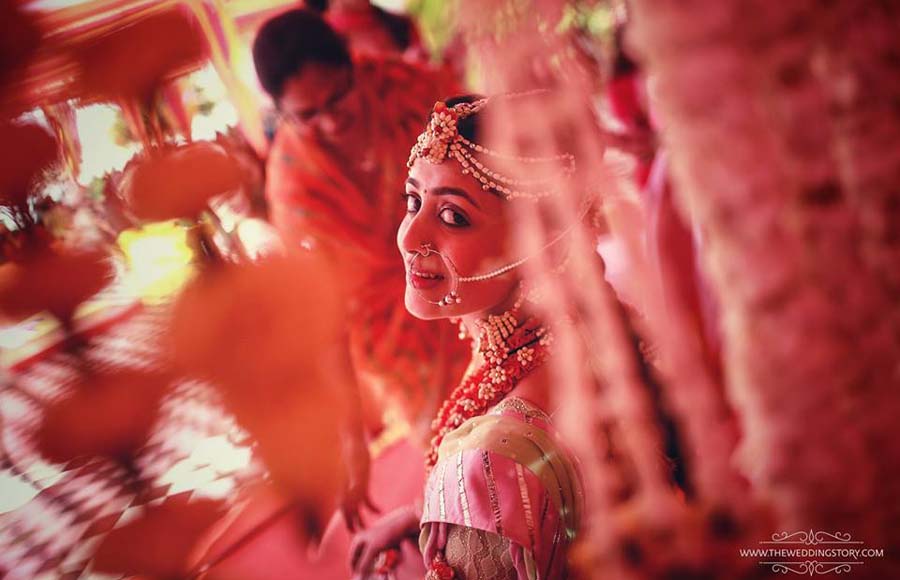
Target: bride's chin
x=420 y=308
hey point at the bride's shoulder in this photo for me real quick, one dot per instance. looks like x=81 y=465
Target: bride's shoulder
x=510 y=448
x=512 y=427
x=527 y=411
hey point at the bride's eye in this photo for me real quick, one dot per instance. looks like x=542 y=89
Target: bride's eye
x=413 y=203
x=453 y=218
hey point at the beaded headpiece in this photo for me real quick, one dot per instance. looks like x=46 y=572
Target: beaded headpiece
x=442 y=139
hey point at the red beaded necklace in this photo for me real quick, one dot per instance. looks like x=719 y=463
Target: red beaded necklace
x=511 y=352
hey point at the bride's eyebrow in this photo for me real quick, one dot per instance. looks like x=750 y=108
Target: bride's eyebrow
x=454 y=191
x=445 y=191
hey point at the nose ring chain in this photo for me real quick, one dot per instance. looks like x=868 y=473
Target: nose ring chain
x=452 y=297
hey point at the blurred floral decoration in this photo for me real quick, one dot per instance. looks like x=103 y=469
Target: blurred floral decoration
x=108 y=415
x=265 y=336
x=200 y=104
x=160 y=544
x=250 y=329
x=175 y=182
x=20 y=40
x=447 y=31
x=773 y=158
x=118 y=66
x=255 y=329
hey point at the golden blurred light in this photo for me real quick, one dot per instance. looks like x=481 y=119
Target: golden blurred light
x=158 y=260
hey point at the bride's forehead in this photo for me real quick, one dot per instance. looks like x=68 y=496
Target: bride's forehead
x=446 y=174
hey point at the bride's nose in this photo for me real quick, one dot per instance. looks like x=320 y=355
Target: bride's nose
x=414 y=233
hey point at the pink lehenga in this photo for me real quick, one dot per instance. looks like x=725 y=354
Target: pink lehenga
x=503 y=500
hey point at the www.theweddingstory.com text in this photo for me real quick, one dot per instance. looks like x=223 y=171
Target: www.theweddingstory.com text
x=800 y=552
x=854 y=553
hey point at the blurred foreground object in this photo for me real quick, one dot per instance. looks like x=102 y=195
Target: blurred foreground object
x=55 y=281
x=179 y=182
x=782 y=130
x=107 y=415
x=101 y=442
x=269 y=336
x=798 y=205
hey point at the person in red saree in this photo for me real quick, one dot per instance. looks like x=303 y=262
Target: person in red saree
x=335 y=174
x=372 y=30
x=503 y=498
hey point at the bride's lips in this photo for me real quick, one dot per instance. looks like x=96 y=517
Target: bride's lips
x=423 y=279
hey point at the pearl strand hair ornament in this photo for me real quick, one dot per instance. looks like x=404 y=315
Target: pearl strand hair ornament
x=441 y=140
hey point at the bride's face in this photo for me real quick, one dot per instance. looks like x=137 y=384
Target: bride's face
x=468 y=227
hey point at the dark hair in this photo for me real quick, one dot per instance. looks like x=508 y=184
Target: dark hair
x=289 y=41
x=400 y=28
x=319 y=6
x=623 y=64
x=469 y=127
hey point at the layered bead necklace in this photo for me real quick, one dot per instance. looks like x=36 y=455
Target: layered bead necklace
x=511 y=351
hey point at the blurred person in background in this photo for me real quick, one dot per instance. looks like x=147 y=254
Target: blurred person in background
x=371 y=30
x=335 y=173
